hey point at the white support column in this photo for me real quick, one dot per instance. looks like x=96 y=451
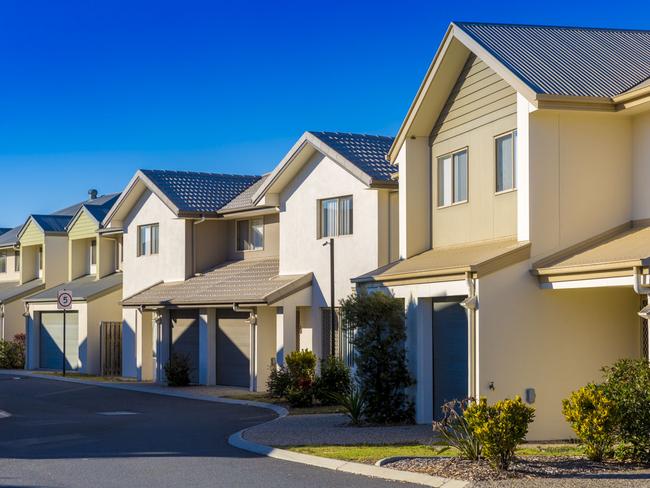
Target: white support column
x=207 y=346
x=162 y=346
x=32 y=342
x=285 y=329
x=522 y=171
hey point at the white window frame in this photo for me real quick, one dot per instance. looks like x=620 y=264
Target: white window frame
x=3 y=261
x=152 y=245
x=17 y=260
x=338 y=217
x=248 y=245
x=513 y=134
x=92 y=258
x=452 y=183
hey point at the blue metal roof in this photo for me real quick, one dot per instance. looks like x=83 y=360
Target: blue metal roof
x=366 y=152
x=572 y=61
x=52 y=223
x=199 y=192
x=4 y=230
x=100 y=206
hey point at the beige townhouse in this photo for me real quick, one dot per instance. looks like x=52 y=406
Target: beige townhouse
x=523 y=215
x=332 y=189
x=92 y=274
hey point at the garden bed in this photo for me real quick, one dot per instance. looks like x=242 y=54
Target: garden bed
x=524 y=467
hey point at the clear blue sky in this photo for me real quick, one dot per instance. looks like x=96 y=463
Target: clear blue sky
x=91 y=91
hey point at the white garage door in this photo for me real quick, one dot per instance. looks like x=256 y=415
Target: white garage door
x=51 y=340
x=233 y=349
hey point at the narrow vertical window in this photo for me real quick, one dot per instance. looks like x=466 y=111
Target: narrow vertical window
x=243 y=239
x=452 y=178
x=328 y=217
x=345 y=216
x=39 y=257
x=154 y=238
x=16 y=261
x=257 y=234
x=3 y=262
x=506 y=158
x=93 y=252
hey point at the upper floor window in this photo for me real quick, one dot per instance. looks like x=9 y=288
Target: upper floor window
x=250 y=234
x=506 y=158
x=40 y=258
x=335 y=216
x=452 y=178
x=148 y=236
x=93 y=255
x=16 y=261
x=3 y=262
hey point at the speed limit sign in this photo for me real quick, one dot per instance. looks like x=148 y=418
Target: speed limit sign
x=64 y=300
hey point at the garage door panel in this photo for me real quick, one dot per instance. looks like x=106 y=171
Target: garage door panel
x=233 y=351
x=185 y=338
x=51 y=340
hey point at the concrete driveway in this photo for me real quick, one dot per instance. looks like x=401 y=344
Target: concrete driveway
x=72 y=435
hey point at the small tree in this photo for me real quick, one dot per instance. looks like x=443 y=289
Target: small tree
x=378 y=323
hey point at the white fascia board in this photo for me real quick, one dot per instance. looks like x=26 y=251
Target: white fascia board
x=593 y=283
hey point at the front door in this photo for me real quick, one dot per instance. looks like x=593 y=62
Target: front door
x=450 y=362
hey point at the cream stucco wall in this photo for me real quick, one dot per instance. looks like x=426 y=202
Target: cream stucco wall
x=301 y=251
x=266 y=346
x=581 y=176
x=554 y=341
x=13 y=321
x=55 y=260
x=10 y=274
x=170 y=263
x=640 y=166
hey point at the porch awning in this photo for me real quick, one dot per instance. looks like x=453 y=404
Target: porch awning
x=84 y=288
x=255 y=281
x=451 y=262
x=612 y=254
x=13 y=290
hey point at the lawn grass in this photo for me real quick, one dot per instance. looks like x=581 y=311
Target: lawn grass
x=370 y=454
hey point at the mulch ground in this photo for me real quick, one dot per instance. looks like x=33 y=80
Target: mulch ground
x=525 y=468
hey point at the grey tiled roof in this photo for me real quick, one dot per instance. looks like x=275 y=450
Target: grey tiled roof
x=367 y=152
x=13 y=290
x=245 y=199
x=97 y=202
x=83 y=288
x=245 y=281
x=571 y=61
x=199 y=192
x=10 y=237
x=4 y=230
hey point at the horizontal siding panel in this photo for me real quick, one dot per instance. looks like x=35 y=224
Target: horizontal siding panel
x=489 y=81
x=481 y=100
x=508 y=101
x=477 y=67
x=32 y=236
x=84 y=227
x=478 y=77
x=476 y=123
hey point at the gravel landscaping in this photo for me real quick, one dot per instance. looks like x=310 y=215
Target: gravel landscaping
x=532 y=471
x=309 y=430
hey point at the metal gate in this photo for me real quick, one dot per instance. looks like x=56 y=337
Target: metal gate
x=110 y=334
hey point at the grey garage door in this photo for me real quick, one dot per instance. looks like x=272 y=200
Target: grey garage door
x=185 y=338
x=450 y=367
x=233 y=349
x=51 y=340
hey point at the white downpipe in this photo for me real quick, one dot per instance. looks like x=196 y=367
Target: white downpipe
x=252 y=320
x=471 y=305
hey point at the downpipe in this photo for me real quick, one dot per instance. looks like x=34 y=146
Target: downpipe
x=470 y=304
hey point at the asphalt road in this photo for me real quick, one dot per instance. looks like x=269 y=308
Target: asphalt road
x=71 y=435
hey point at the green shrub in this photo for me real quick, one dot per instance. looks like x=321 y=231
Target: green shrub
x=279 y=381
x=12 y=353
x=354 y=402
x=177 y=370
x=334 y=380
x=591 y=416
x=500 y=428
x=379 y=339
x=455 y=430
x=301 y=367
x=627 y=386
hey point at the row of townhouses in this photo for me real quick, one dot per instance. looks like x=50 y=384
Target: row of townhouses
x=510 y=213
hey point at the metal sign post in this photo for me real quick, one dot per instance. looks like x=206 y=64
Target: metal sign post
x=64 y=302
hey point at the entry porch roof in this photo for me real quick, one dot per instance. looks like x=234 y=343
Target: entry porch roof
x=85 y=288
x=451 y=262
x=254 y=281
x=612 y=254
x=13 y=290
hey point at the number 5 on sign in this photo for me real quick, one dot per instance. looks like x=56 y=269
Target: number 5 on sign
x=64 y=300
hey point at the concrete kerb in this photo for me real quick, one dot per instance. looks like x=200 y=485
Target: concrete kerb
x=237 y=439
